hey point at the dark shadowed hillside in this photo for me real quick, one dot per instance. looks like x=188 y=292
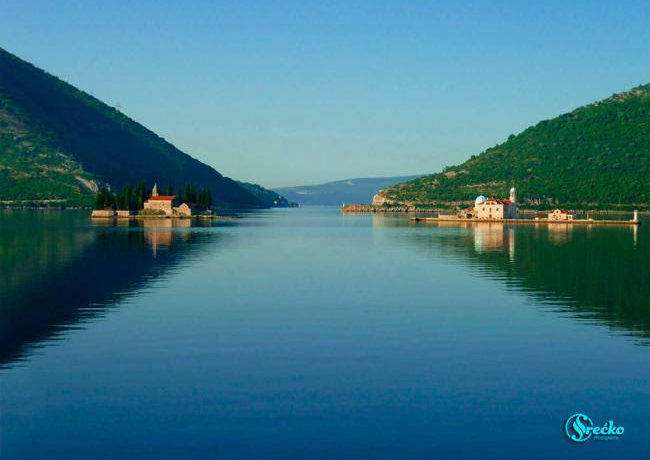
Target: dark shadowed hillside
x=59 y=143
x=268 y=197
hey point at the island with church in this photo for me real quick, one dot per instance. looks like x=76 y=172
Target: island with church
x=491 y=209
x=132 y=203
x=505 y=210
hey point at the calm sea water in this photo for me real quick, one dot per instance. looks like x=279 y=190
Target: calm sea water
x=311 y=334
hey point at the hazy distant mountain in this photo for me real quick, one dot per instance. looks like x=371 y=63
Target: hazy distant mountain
x=58 y=143
x=359 y=190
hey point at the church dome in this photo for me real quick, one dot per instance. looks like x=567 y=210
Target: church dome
x=479 y=199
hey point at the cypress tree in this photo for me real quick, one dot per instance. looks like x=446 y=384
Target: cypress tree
x=140 y=195
x=100 y=198
x=106 y=199
x=128 y=198
x=205 y=198
x=186 y=193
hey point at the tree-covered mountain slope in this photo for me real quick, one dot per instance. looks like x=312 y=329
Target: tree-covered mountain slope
x=270 y=198
x=596 y=155
x=58 y=143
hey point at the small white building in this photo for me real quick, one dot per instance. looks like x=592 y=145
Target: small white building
x=493 y=208
x=560 y=214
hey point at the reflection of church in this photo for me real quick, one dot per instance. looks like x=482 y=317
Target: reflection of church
x=159 y=233
x=494 y=236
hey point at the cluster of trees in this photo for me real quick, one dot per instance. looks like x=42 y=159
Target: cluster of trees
x=133 y=197
x=191 y=195
x=130 y=197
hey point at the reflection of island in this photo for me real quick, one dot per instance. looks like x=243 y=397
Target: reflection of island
x=55 y=276
x=494 y=236
x=159 y=232
x=487 y=236
x=598 y=273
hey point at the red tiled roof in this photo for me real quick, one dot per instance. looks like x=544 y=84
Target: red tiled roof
x=162 y=198
x=495 y=201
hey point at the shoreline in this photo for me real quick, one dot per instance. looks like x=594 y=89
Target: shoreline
x=136 y=217
x=371 y=209
x=528 y=221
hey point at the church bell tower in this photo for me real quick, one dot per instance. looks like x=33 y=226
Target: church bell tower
x=513 y=195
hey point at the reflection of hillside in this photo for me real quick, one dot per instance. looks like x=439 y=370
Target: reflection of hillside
x=598 y=273
x=66 y=275
x=29 y=254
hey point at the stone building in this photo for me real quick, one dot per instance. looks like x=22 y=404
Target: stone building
x=183 y=210
x=560 y=214
x=103 y=213
x=165 y=203
x=495 y=208
x=160 y=202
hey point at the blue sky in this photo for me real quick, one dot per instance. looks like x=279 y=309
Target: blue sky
x=292 y=93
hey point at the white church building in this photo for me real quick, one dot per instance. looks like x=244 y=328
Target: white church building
x=495 y=208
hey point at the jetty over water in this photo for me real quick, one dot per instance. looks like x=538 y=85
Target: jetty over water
x=528 y=221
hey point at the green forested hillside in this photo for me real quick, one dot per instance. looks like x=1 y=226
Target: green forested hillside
x=58 y=143
x=597 y=155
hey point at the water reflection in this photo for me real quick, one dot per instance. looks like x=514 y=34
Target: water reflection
x=159 y=233
x=59 y=270
x=596 y=274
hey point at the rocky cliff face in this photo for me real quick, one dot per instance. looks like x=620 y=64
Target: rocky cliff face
x=378 y=199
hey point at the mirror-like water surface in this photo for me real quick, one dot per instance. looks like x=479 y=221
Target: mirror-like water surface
x=311 y=334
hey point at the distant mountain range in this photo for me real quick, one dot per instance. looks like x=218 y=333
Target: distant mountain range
x=359 y=190
x=59 y=144
x=595 y=156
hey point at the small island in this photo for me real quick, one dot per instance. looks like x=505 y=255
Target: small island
x=130 y=203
